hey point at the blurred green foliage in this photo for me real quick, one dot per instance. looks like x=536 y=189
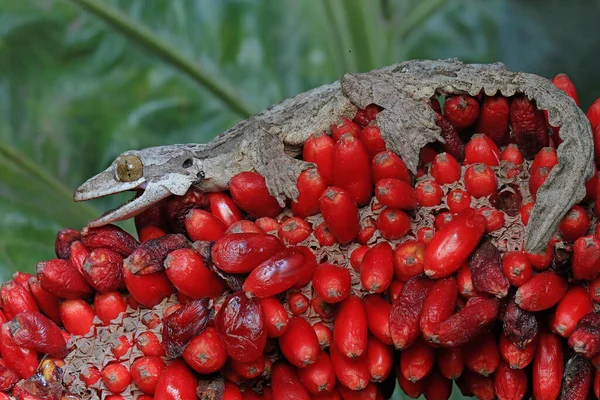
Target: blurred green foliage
x=75 y=92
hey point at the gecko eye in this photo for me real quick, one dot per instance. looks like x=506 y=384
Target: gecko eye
x=129 y=168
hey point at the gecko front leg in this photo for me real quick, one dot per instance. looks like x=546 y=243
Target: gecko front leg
x=266 y=153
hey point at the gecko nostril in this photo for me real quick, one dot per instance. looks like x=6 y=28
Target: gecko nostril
x=188 y=163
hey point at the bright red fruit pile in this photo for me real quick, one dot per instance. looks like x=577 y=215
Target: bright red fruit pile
x=372 y=275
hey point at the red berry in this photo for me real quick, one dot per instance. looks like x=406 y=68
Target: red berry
x=388 y=165
x=77 y=316
x=116 y=377
x=190 y=276
x=409 y=260
x=445 y=169
x=573 y=307
x=547 y=367
x=299 y=344
x=149 y=344
x=241 y=327
x=319 y=376
x=340 y=213
x=350 y=329
x=516 y=267
x=458 y=200
x=324 y=334
x=346 y=126
x=318 y=149
x=297 y=302
x=376 y=270
x=480 y=181
x=324 y=235
x=294 y=230
x=176 y=382
x=332 y=283
x=202 y=225
x=370 y=136
x=310 y=187
x=586 y=258
x=351 y=169
x=249 y=191
x=481 y=149
x=378 y=313
x=493 y=119
x=223 y=207
x=453 y=244
x=512 y=154
x=393 y=223
x=145 y=372
x=575 y=224
x=429 y=194
x=563 y=82
x=276 y=318
x=395 y=193
x=462 y=111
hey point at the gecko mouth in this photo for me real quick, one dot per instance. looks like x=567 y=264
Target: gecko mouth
x=146 y=196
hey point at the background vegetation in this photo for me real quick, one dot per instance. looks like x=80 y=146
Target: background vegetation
x=75 y=92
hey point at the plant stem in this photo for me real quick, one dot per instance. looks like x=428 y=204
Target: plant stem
x=420 y=13
x=26 y=164
x=143 y=36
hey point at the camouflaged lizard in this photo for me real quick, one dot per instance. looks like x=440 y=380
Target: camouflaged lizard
x=269 y=141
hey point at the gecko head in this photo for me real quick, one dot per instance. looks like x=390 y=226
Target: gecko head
x=155 y=173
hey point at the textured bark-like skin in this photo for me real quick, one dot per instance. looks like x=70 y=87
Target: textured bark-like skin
x=268 y=141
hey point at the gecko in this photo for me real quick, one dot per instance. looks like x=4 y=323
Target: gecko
x=270 y=141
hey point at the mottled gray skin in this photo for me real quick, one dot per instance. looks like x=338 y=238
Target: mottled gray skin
x=269 y=141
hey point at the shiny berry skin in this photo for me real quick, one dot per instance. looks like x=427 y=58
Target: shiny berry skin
x=425 y=234
x=570 y=309
x=458 y=200
x=357 y=256
x=387 y=164
x=351 y=169
x=145 y=372
x=525 y=212
x=294 y=230
x=480 y=181
x=393 y=223
x=575 y=224
x=370 y=136
x=445 y=169
x=586 y=258
x=223 y=207
x=376 y=270
x=190 y=276
x=202 y=225
x=429 y=194
x=324 y=235
x=241 y=327
x=340 y=213
x=276 y=317
x=395 y=193
x=481 y=149
x=494 y=219
x=516 y=267
x=298 y=303
x=116 y=377
x=332 y=283
x=346 y=126
x=299 y=344
x=408 y=260
x=318 y=149
x=442 y=219
x=462 y=111
x=453 y=244
x=310 y=187
x=512 y=154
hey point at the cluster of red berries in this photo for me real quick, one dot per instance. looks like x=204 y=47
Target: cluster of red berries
x=371 y=276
